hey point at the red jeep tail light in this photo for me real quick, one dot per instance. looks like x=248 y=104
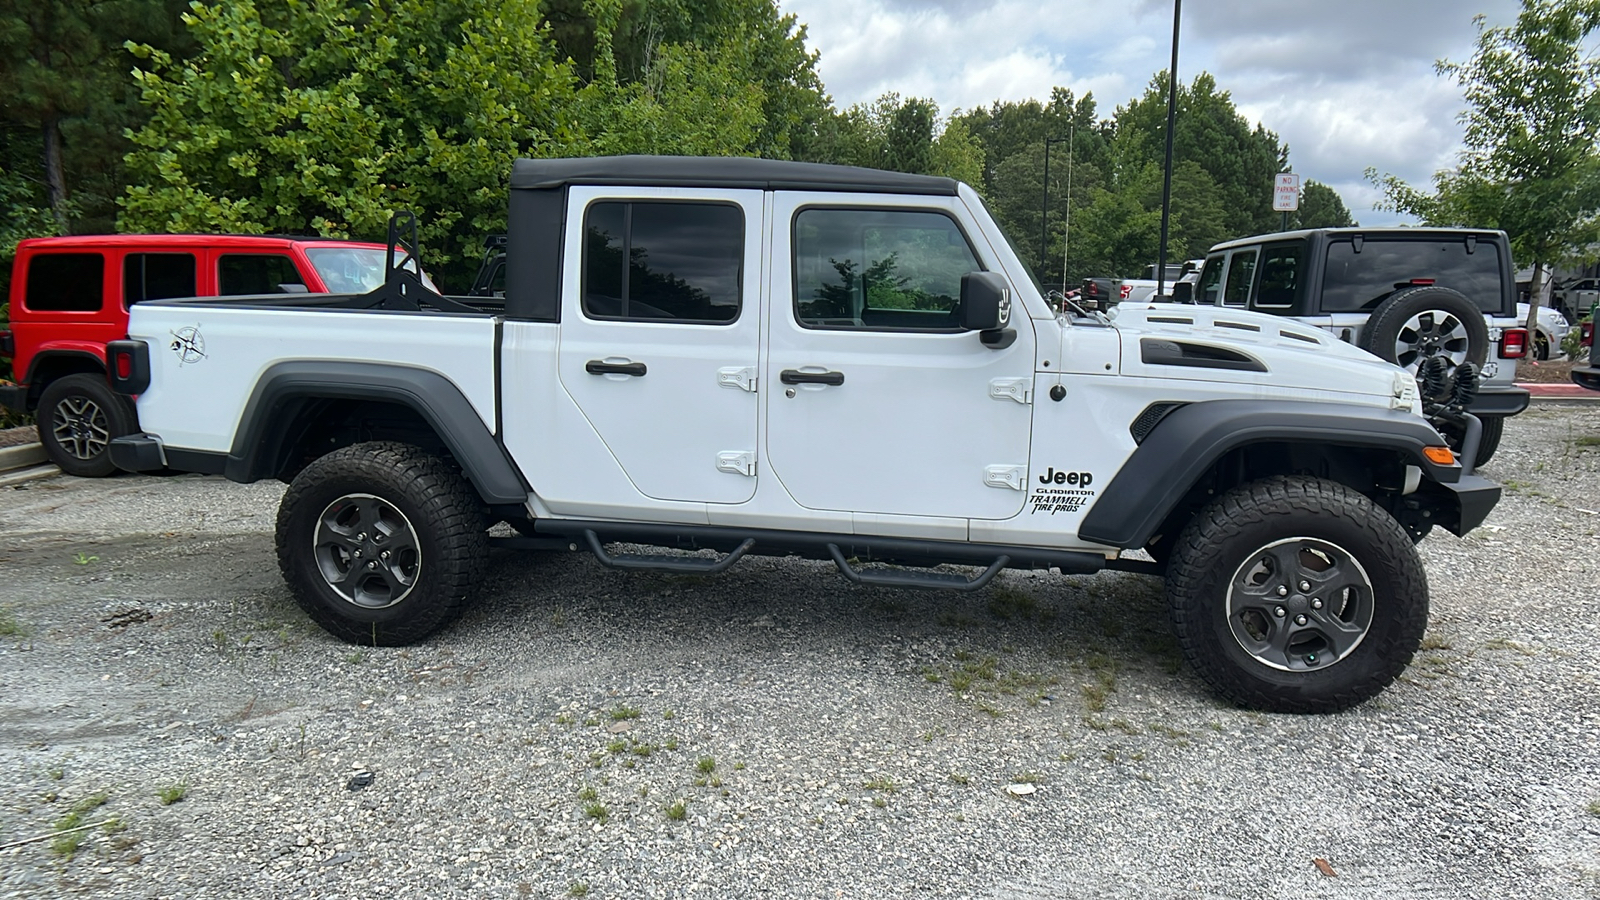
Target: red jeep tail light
x=1422 y=282
x=1514 y=343
x=1586 y=335
x=8 y=344
x=124 y=365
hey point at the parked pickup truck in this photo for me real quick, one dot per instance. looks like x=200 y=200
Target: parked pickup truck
x=749 y=356
x=69 y=295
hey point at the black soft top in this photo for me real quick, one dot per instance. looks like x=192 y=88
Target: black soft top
x=725 y=171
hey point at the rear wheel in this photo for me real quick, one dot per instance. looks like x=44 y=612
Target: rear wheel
x=1296 y=594
x=1416 y=323
x=78 y=416
x=381 y=543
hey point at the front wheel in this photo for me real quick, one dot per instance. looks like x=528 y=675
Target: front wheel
x=1296 y=594
x=381 y=543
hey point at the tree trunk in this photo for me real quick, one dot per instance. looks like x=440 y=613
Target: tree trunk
x=53 y=174
x=1535 y=293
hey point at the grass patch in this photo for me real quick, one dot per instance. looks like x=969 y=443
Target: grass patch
x=578 y=889
x=706 y=765
x=622 y=713
x=589 y=793
x=9 y=626
x=1587 y=440
x=172 y=793
x=883 y=784
x=1594 y=808
x=677 y=810
x=597 y=811
x=67 y=844
x=1007 y=603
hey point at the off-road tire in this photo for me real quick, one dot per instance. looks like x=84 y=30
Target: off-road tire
x=1384 y=329
x=78 y=415
x=1218 y=543
x=414 y=490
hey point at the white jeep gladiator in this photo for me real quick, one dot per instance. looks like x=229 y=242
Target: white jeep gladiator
x=758 y=357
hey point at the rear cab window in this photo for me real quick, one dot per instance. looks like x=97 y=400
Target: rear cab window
x=1355 y=281
x=1241 y=274
x=65 y=282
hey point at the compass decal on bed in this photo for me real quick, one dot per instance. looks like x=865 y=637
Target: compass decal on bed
x=188 y=344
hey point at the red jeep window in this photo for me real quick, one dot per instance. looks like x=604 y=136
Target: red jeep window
x=257 y=273
x=156 y=276
x=66 y=282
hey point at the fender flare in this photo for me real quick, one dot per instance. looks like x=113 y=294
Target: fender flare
x=1189 y=440
x=263 y=431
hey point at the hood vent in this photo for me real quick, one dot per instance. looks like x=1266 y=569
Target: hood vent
x=1158 y=352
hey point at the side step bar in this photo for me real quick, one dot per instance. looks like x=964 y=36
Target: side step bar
x=914 y=579
x=846 y=551
x=657 y=563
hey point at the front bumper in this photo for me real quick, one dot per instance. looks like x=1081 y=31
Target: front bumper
x=138 y=453
x=1499 y=402
x=14 y=397
x=1475 y=496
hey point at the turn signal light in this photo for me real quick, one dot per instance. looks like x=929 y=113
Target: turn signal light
x=1441 y=455
x=1587 y=335
x=124 y=365
x=1514 y=343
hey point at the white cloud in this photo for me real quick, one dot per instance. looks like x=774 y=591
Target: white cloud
x=1347 y=85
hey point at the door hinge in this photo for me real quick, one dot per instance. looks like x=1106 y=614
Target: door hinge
x=741 y=377
x=1018 y=389
x=1005 y=476
x=737 y=462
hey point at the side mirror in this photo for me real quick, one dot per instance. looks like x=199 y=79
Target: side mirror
x=986 y=308
x=985 y=301
x=1183 y=292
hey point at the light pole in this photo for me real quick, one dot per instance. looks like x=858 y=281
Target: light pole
x=1044 y=208
x=1166 y=181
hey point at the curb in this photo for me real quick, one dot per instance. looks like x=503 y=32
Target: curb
x=1560 y=394
x=24 y=462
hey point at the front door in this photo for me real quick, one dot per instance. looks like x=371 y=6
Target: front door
x=879 y=402
x=660 y=336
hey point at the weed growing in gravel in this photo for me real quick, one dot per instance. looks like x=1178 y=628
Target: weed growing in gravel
x=706 y=765
x=588 y=793
x=668 y=714
x=671 y=744
x=1435 y=642
x=882 y=783
x=564 y=719
x=9 y=626
x=1594 y=808
x=1176 y=735
x=84 y=559
x=57 y=773
x=354 y=659
x=1104 y=670
x=623 y=712
x=597 y=811
x=960 y=778
x=1007 y=603
x=66 y=844
x=1587 y=440
x=879 y=802
x=643 y=749
x=172 y=793
x=577 y=889
x=677 y=810
x=1027 y=778
x=617 y=746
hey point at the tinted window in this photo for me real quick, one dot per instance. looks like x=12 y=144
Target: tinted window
x=256 y=273
x=66 y=282
x=1280 y=276
x=1241 y=269
x=1210 y=281
x=879 y=268
x=1359 y=281
x=156 y=276
x=663 y=262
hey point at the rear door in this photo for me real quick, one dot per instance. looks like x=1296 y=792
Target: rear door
x=660 y=335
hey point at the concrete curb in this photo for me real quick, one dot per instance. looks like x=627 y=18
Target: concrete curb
x=24 y=462
x=21 y=455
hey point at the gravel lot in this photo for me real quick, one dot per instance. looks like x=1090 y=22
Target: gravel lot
x=823 y=740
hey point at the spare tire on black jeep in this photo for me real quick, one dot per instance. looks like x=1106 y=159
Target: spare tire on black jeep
x=1418 y=322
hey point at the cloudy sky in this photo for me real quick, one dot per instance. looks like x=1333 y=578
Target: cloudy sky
x=1346 y=84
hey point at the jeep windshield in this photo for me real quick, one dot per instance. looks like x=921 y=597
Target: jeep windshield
x=353 y=270
x=1354 y=282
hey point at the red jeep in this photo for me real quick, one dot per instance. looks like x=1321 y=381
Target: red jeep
x=70 y=295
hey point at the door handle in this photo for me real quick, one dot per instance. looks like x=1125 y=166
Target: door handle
x=795 y=376
x=601 y=367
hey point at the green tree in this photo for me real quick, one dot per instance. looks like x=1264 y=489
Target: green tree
x=902 y=135
x=68 y=97
x=770 y=47
x=1530 y=164
x=1320 y=207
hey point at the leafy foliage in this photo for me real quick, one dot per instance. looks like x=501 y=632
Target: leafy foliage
x=1531 y=165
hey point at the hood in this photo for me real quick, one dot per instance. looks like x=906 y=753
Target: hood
x=1281 y=357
